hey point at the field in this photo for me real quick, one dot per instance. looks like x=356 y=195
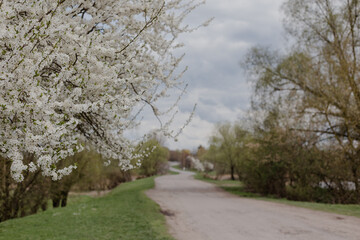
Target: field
x=125 y=213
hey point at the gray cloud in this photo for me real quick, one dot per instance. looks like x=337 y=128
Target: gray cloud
x=216 y=81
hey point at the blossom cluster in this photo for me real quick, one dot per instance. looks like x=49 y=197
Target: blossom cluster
x=73 y=71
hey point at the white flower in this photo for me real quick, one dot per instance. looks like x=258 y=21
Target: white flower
x=67 y=80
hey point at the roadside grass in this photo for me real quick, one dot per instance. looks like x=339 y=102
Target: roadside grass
x=172 y=172
x=125 y=213
x=237 y=188
x=177 y=167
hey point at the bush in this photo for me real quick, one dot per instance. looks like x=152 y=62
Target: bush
x=267 y=178
x=310 y=193
x=155 y=158
x=94 y=175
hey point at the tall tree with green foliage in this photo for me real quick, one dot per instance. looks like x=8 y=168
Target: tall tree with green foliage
x=319 y=78
x=225 y=149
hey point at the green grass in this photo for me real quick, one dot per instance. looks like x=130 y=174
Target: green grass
x=177 y=167
x=125 y=213
x=172 y=173
x=237 y=188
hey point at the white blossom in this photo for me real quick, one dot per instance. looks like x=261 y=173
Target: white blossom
x=72 y=71
x=196 y=164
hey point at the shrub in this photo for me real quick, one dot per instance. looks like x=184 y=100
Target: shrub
x=155 y=159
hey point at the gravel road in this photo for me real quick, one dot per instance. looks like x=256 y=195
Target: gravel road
x=197 y=210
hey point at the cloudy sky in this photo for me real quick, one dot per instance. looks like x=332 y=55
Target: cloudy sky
x=217 y=84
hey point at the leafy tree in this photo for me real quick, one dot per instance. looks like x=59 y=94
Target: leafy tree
x=223 y=149
x=317 y=82
x=200 y=152
x=94 y=175
x=75 y=71
x=183 y=156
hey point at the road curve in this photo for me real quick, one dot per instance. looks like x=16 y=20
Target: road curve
x=196 y=210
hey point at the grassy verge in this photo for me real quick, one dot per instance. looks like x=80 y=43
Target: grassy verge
x=177 y=167
x=125 y=213
x=237 y=188
x=172 y=172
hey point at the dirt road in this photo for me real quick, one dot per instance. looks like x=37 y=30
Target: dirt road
x=197 y=210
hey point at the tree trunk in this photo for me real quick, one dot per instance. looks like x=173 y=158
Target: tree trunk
x=55 y=202
x=6 y=204
x=356 y=182
x=64 y=195
x=232 y=169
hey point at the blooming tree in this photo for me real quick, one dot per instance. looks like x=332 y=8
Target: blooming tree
x=196 y=164
x=73 y=71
